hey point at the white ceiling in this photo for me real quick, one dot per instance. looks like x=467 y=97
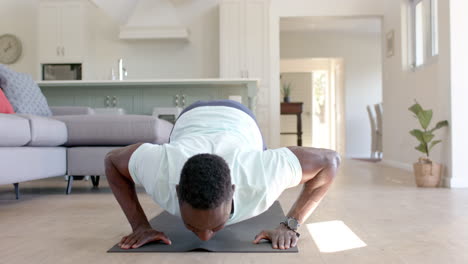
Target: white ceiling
x=122 y=10
x=119 y=10
x=370 y=25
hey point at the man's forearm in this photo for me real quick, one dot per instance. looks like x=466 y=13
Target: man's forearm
x=124 y=192
x=312 y=193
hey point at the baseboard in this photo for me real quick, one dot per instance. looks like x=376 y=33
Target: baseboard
x=458 y=182
x=397 y=164
x=446 y=181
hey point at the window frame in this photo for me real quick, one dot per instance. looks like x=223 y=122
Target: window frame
x=430 y=32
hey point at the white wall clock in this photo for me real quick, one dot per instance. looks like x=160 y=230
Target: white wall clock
x=10 y=49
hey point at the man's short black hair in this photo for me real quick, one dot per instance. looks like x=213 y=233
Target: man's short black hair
x=205 y=181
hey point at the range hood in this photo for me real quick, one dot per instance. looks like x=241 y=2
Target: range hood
x=145 y=19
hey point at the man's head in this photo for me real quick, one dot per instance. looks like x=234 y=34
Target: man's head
x=205 y=194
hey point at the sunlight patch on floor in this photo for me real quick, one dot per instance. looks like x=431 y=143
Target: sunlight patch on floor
x=334 y=236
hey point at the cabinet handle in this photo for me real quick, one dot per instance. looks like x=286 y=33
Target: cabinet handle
x=176 y=100
x=58 y=51
x=183 y=100
x=247 y=74
x=114 y=101
x=107 y=101
x=63 y=51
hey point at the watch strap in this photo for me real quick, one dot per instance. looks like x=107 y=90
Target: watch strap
x=286 y=225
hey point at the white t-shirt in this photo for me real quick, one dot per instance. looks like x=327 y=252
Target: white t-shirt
x=260 y=176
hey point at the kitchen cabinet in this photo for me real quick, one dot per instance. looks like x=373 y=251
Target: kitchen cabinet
x=176 y=97
x=244 y=35
x=192 y=95
x=159 y=97
x=116 y=97
x=62 y=31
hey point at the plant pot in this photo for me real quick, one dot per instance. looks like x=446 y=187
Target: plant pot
x=427 y=174
x=287 y=99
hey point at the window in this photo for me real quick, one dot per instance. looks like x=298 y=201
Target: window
x=424 y=31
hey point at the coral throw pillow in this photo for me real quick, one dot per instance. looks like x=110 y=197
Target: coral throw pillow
x=5 y=106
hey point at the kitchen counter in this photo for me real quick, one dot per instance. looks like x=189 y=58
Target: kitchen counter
x=147 y=82
x=141 y=96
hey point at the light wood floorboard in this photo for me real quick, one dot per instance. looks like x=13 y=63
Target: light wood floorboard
x=399 y=223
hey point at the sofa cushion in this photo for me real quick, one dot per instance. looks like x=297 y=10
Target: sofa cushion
x=14 y=131
x=23 y=93
x=46 y=132
x=31 y=163
x=5 y=106
x=119 y=130
x=71 y=110
x=87 y=160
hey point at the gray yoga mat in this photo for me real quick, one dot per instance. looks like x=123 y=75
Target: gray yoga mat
x=234 y=238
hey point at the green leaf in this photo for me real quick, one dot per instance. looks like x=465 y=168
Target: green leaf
x=415 y=109
x=418 y=134
x=440 y=125
x=428 y=137
x=425 y=118
x=422 y=148
x=435 y=142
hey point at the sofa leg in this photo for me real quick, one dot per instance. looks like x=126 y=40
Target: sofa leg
x=16 y=190
x=69 y=185
x=95 y=180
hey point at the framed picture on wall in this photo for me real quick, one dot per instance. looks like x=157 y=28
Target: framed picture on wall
x=390 y=43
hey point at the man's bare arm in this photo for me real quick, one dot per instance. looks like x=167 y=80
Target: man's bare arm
x=319 y=167
x=123 y=187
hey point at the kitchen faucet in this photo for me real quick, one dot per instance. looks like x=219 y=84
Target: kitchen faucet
x=122 y=71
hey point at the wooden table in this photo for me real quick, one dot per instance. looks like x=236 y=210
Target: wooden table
x=294 y=109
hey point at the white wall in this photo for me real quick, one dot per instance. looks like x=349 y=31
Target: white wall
x=198 y=58
x=301 y=91
x=430 y=85
x=19 y=18
x=327 y=8
x=459 y=91
x=363 y=75
x=319 y=8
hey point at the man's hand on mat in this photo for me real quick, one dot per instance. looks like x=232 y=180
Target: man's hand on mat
x=143 y=236
x=282 y=237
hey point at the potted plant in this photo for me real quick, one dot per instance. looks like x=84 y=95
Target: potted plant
x=286 y=90
x=426 y=171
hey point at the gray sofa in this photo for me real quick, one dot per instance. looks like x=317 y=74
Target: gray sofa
x=73 y=142
x=30 y=148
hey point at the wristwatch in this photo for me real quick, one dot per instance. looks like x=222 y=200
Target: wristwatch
x=292 y=224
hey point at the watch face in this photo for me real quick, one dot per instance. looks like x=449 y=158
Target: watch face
x=292 y=223
x=10 y=49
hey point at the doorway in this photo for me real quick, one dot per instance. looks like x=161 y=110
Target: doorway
x=318 y=84
x=356 y=78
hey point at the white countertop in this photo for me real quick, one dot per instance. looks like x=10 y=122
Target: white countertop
x=146 y=82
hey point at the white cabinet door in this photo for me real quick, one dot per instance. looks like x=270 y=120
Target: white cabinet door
x=256 y=39
x=232 y=42
x=49 y=35
x=244 y=38
x=61 y=28
x=72 y=32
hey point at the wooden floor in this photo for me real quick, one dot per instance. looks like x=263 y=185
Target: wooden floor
x=398 y=222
